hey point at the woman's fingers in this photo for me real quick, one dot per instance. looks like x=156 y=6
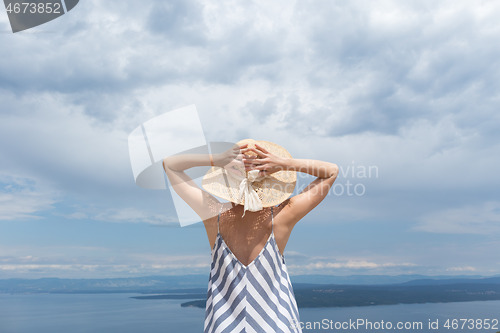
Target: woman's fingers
x=258 y=161
x=258 y=152
x=249 y=161
x=262 y=149
x=250 y=157
x=247 y=149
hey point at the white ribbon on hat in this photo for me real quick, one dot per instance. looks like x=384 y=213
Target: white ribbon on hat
x=252 y=200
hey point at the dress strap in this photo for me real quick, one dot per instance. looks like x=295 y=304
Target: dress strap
x=218 y=216
x=272 y=219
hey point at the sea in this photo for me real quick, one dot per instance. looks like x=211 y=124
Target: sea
x=118 y=313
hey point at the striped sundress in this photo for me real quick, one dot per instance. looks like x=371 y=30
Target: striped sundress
x=257 y=297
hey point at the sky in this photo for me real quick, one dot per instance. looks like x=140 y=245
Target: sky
x=402 y=96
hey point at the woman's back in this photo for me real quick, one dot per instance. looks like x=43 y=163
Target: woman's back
x=249 y=295
x=247 y=235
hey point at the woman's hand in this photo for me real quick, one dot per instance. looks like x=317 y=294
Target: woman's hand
x=232 y=160
x=264 y=161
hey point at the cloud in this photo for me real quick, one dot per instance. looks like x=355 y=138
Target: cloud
x=119 y=215
x=461 y=269
x=84 y=270
x=352 y=264
x=300 y=263
x=140 y=46
x=21 y=199
x=394 y=63
x=409 y=87
x=179 y=21
x=134 y=215
x=471 y=219
x=371 y=69
x=154 y=263
x=127 y=264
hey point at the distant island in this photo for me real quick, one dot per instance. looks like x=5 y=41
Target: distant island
x=418 y=291
x=310 y=291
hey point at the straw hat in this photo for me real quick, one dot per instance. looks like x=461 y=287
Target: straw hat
x=267 y=191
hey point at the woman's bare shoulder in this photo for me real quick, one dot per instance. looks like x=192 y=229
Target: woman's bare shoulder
x=221 y=208
x=282 y=212
x=289 y=213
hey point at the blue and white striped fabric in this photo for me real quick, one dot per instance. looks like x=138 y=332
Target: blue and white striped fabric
x=253 y=298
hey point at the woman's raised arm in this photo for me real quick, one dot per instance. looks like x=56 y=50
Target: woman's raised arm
x=301 y=204
x=202 y=202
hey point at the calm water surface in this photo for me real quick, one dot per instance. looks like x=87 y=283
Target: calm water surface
x=118 y=313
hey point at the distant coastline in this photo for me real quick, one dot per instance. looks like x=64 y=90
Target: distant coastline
x=192 y=288
x=316 y=296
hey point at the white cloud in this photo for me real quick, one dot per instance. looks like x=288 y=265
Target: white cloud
x=128 y=269
x=461 y=269
x=21 y=199
x=351 y=264
x=299 y=263
x=126 y=264
x=134 y=215
x=120 y=215
x=150 y=263
x=471 y=219
x=410 y=87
